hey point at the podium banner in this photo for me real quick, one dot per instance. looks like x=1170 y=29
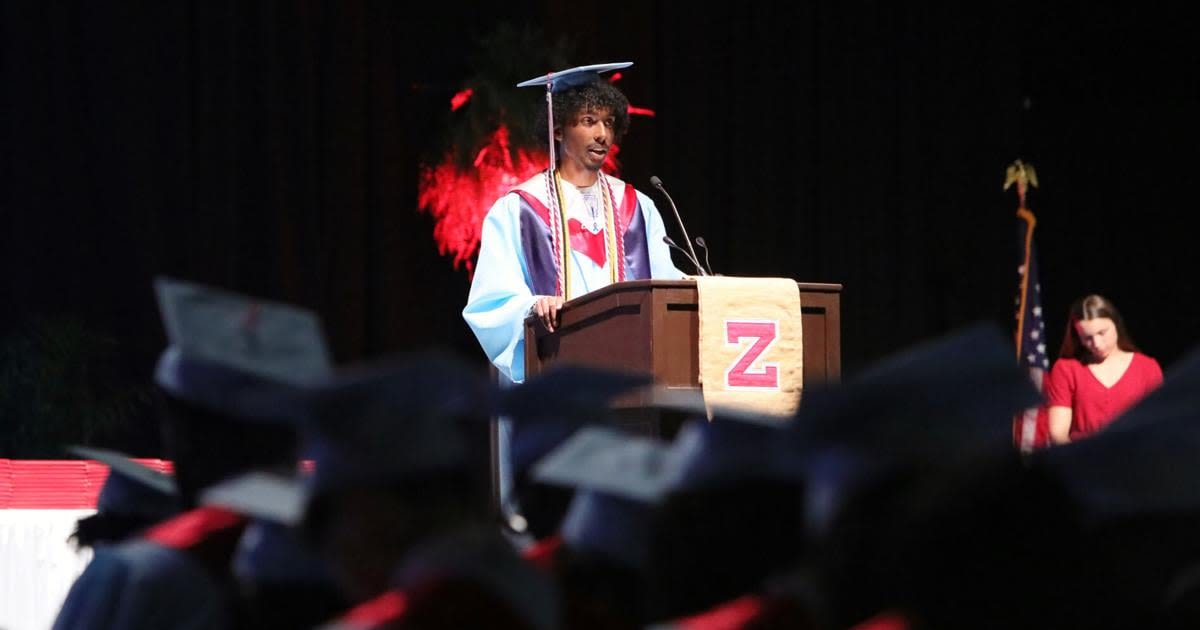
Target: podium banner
x=751 y=350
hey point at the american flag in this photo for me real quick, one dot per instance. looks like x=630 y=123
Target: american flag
x=1030 y=328
x=1030 y=335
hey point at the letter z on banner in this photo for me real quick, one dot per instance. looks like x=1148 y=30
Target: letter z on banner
x=751 y=348
x=756 y=337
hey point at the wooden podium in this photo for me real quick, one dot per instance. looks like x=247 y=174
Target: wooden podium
x=653 y=326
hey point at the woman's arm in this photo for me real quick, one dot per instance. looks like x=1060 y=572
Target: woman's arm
x=1059 y=419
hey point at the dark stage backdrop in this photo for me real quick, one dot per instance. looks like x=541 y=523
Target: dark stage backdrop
x=272 y=148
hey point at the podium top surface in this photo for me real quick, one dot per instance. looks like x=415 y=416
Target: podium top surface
x=637 y=285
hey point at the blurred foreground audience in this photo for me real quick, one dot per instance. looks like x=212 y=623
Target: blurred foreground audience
x=360 y=497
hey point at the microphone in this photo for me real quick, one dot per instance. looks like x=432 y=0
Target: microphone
x=704 y=246
x=671 y=243
x=657 y=183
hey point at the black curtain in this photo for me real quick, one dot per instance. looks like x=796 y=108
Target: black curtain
x=267 y=148
x=866 y=143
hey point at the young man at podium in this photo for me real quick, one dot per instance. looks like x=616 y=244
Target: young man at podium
x=568 y=230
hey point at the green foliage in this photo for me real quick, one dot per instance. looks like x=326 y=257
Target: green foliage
x=60 y=384
x=504 y=57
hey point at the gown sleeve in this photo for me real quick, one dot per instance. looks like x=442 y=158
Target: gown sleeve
x=500 y=297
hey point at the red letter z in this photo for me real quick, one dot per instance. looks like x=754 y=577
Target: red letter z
x=764 y=333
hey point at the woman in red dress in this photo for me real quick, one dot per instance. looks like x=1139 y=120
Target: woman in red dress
x=1099 y=372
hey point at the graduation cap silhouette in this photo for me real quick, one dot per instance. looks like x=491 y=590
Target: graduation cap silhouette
x=547 y=408
x=953 y=395
x=222 y=345
x=703 y=453
x=270 y=550
x=733 y=448
x=932 y=404
x=131 y=488
x=393 y=419
x=563 y=79
x=610 y=460
x=259 y=495
x=618 y=478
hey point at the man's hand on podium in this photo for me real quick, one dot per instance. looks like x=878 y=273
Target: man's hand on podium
x=546 y=308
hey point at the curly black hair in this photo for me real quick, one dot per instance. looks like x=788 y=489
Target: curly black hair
x=595 y=94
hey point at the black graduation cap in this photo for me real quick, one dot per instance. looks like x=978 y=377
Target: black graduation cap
x=952 y=395
x=1145 y=461
x=131 y=488
x=271 y=552
x=609 y=460
x=258 y=494
x=733 y=488
x=270 y=549
x=550 y=406
x=704 y=453
x=935 y=403
x=618 y=478
x=731 y=448
x=222 y=345
x=394 y=419
x=611 y=524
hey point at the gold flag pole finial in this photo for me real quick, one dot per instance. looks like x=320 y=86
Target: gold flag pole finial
x=1023 y=176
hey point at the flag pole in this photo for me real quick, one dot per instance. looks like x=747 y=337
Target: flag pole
x=1030 y=325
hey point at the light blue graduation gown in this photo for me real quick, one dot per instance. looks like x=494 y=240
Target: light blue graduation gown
x=516 y=263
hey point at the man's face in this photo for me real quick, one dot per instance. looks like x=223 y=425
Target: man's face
x=587 y=139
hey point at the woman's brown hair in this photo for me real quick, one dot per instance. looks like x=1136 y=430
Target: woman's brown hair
x=1092 y=307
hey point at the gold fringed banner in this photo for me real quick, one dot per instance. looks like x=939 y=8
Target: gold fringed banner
x=751 y=344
